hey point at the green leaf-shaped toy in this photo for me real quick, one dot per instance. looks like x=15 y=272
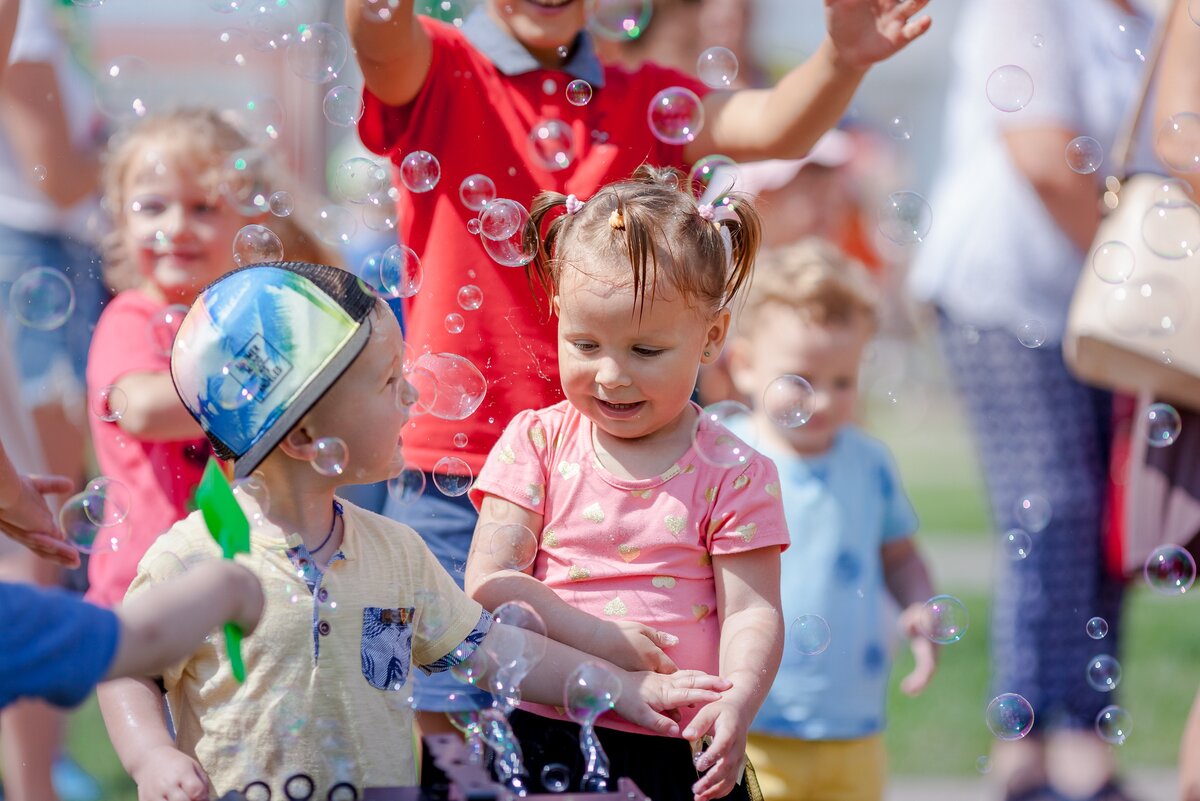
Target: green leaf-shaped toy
x=229 y=527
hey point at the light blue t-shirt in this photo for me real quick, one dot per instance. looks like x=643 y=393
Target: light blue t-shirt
x=841 y=507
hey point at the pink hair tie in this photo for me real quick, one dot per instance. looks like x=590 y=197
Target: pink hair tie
x=706 y=211
x=574 y=204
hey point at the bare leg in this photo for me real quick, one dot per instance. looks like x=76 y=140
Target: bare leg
x=1019 y=765
x=1079 y=763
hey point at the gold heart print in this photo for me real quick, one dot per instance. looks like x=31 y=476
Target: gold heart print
x=577 y=573
x=568 y=470
x=593 y=513
x=629 y=552
x=507 y=455
x=699 y=611
x=741 y=481
x=537 y=435
x=710 y=494
x=550 y=538
x=676 y=524
x=663 y=582
x=643 y=494
x=616 y=608
x=746 y=532
x=535 y=493
x=772 y=489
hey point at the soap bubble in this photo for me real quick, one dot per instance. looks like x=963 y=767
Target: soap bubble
x=450 y=386
x=455 y=323
x=579 y=92
x=809 y=634
x=1163 y=425
x=42 y=298
x=944 y=619
x=1103 y=673
x=1171 y=229
x=476 y=191
x=281 y=204
x=1033 y=512
x=1178 y=142
x=552 y=144
x=707 y=169
x=513 y=546
x=81 y=532
x=407 y=487
x=106 y=501
x=123 y=88
x=357 y=179
x=420 y=171
x=899 y=128
x=163 y=325
x=675 y=115
x=502 y=219
x=1009 y=88
x=330 y=456
x=335 y=225
x=717 y=67
x=1128 y=39
x=452 y=476
x=1097 y=628
x=1084 y=155
x=1113 y=262
x=343 y=106
x=1170 y=570
x=318 y=52
x=1016 y=544
x=1009 y=716
x=905 y=218
x=1032 y=333
x=618 y=20
x=109 y=403
x=252 y=491
x=261 y=118
x=788 y=401
x=591 y=690
x=470 y=297
x=243 y=182
x=1113 y=724
x=715 y=442
x=256 y=244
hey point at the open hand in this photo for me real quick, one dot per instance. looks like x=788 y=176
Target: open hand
x=863 y=32
x=645 y=697
x=634 y=646
x=171 y=775
x=722 y=763
x=26 y=518
x=925 y=652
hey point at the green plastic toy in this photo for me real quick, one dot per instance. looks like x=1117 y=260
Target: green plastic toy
x=229 y=527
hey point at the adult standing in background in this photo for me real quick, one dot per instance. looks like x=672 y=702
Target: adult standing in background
x=1012 y=222
x=49 y=132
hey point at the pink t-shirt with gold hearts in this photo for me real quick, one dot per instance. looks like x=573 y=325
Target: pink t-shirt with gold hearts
x=640 y=550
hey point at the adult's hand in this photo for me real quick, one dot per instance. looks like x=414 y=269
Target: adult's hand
x=25 y=517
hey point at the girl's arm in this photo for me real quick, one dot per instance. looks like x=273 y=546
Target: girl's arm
x=394 y=54
x=1178 y=85
x=787 y=119
x=908 y=581
x=133 y=714
x=632 y=646
x=751 y=647
x=153 y=411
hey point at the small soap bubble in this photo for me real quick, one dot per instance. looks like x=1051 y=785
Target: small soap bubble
x=476 y=191
x=281 y=204
x=502 y=219
x=122 y=88
x=330 y=456
x=1163 y=425
x=1170 y=570
x=407 y=487
x=470 y=297
x=256 y=244
x=234 y=48
x=81 y=532
x=106 y=501
x=1128 y=39
x=944 y=619
x=1032 y=333
x=1033 y=513
x=521 y=246
x=451 y=387
x=675 y=115
x=1016 y=544
x=1178 y=142
x=1009 y=716
x=109 y=403
x=335 y=225
x=899 y=128
x=1113 y=724
x=788 y=401
x=252 y=491
x=513 y=546
x=708 y=169
x=717 y=67
x=396 y=273
x=552 y=144
x=1037 y=40
x=1113 y=262
x=1084 y=155
x=1009 y=88
x=39 y=173
x=905 y=218
x=42 y=298
x=343 y=106
x=454 y=323
x=162 y=326
x=1103 y=673
x=809 y=634
x=379 y=212
x=420 y=171
x=261 y=118
x=591 y=690
x=317 y=52
x=1097 y=628
x=474 y=227
x=357 y=179
x=452 y=476
x=983 y=765
x=579 y=92
x=618 y=20
x=460 y=440
x=556 y=778
x=713 y=438
x=1171 y=229
x=563 y=51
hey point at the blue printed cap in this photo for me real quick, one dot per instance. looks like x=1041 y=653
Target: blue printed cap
x=259 y=348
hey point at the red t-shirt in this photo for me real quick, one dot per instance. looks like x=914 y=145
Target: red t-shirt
x=160 y=476
x=475 y=119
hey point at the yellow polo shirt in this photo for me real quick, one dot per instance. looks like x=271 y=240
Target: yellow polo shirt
x=328 y=672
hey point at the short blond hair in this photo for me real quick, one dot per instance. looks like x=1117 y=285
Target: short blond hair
x=816 y=281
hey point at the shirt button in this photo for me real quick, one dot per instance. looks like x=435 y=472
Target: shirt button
x=322 y=595
x=323 y=628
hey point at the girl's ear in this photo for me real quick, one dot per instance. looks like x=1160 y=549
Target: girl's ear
x=718 y=330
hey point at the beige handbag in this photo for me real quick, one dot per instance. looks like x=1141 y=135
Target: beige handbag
x=1141 y=334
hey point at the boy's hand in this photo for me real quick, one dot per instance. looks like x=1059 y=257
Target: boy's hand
x=170 y=775
x=634 y=646
x=723 y=761
x=863 y=32
x=925 y=652
x=26 y=518
x=646 y=696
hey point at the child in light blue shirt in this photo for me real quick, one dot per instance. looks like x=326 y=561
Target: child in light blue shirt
x=811 y=313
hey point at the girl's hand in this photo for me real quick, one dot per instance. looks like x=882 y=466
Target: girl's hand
x=924 y=651
x=863 y=32
x=634 y=646
x=723 y=761
x=646 y=696
x=171 y=775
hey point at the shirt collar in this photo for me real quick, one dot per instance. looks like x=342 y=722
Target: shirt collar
x=511 y=58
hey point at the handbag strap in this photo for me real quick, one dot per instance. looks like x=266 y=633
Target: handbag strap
x=1123 y=146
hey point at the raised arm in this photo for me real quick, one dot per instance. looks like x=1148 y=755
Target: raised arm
x=153 y=411
x=394 y=54
x=787 y=119
x=1179 y=87
x=631 y=645
x=751 y=648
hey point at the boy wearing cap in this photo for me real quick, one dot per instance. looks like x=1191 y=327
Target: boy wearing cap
x=272 y=360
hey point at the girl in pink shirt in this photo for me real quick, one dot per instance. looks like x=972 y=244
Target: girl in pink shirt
x=658 y=533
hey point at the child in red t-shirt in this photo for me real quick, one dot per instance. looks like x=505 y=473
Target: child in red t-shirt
x=502 y=98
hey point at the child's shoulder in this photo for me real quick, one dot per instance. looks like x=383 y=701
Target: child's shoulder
x=379 y=531
x=853 y=442
x=180 y=546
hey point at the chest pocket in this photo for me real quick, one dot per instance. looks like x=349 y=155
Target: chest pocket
x=386 y=646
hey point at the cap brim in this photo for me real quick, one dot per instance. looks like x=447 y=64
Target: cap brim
x=308 y=397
